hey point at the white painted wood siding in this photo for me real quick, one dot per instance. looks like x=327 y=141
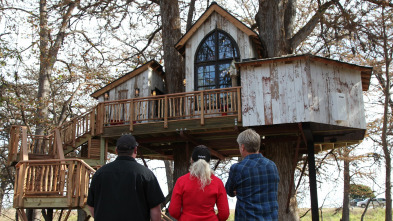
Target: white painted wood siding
x=214 y=21
x=301 y=91
x=145 y=81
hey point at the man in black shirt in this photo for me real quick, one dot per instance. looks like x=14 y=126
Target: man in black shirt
x=124 y=189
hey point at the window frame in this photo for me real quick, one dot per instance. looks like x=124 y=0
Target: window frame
x=216 y=62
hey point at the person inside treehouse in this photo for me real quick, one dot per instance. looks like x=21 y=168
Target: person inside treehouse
x=254 y=181
x=124 y=189
x=196 y=193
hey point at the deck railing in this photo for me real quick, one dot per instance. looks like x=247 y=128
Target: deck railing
x=77 y=127
x=171 y=107
x=164 y=108
x=64 y=178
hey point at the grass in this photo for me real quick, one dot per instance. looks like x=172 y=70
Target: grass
x=328 y=214
x=355 y=213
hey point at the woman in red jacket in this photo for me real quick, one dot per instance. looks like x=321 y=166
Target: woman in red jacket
x=196 y=193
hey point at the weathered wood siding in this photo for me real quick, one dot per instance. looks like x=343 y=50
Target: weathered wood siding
x=145 y=81
x=302 y=91
x=214 y=21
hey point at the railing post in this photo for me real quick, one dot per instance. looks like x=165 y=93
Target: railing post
x=25 y=152
x=74 y=121
x=202 y=109
x=239 y=105
x=59 y=145
x=166 y=112
x=13 y=144
x=132 y=115
x=92 y=121
x=70 y=184
x=21 y=183
x=100 y=118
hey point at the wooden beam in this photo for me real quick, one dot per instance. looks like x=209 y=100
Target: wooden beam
x=25 y=152
x=59 y=144
x=312 y=172
x=195 y=142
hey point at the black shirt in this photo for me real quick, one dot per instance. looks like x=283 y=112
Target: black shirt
x=124 y=190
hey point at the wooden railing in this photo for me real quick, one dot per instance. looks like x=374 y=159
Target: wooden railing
x=171 y=107
x=78 y=127
x=24 y=144
x=64 y=178
x=164 y=108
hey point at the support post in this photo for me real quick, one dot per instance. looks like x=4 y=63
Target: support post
x=102 y=151
x=312 y=172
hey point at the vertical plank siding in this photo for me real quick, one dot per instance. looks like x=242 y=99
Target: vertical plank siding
x=301 y=91
x=214 y=21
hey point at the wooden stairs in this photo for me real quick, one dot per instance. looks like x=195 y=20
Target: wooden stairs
x=44 y=177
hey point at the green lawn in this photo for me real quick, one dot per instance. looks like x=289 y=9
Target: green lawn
x=331 y=214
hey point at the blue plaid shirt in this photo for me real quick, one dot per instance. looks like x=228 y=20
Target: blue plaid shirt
x=255 y=180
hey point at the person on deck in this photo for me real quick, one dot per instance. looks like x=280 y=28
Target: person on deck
x=196 y=193
x=124 y=189
x=254 y=181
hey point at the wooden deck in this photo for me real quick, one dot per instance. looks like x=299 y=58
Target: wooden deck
x=162 y=123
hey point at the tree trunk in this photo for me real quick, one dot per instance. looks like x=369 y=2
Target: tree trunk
x=345 y=213
x=386 y=151
x=275 y=25
x=169 y=174
x=47 y=214
x=3 y=185
x=32 y=214
x=181 y=157
x=171 y=33
x=43 y=78
x=283 y=155
x=82 y=215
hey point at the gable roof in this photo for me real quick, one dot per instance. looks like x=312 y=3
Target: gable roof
x=365 y=71
x=150 y=64
x=214 y=7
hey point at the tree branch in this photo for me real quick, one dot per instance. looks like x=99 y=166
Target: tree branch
x=309 y=27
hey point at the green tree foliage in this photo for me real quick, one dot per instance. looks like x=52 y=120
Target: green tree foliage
x=359 y=191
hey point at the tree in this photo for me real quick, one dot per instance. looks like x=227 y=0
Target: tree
x=359 y=191
x=376 y=48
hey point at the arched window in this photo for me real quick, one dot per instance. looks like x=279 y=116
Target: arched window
x=213 y=60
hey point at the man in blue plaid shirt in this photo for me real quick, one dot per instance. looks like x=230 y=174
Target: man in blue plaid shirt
x=254 y=181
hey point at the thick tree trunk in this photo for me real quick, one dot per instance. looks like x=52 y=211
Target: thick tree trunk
x=43 y=78
x=169 y=174
x=345 y=214
x=171 y=33
x=275 y=21
x=181 y=157
x=283 y=155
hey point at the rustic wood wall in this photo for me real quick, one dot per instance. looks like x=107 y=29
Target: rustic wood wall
x=145 y=81
x=301 y=91
x=214 y=21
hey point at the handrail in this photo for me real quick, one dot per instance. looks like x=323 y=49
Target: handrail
x=62 y=178
x=171 y=107
x=162 y=108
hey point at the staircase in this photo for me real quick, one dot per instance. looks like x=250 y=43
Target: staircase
x=44 y=178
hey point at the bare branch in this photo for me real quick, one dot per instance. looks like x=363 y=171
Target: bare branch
x=304 y=32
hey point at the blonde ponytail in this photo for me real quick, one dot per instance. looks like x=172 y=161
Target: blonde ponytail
x=201 y=170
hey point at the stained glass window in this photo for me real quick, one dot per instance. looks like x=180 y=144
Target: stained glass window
x=213 y=60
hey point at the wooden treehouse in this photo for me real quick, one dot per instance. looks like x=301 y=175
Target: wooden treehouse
x=228 y=88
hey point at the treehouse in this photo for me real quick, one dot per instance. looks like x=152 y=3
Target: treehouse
x=315 y=102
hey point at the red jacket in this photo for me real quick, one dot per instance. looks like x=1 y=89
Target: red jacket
x=189 y=202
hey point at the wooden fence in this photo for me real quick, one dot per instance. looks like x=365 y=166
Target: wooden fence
x=64 y=178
